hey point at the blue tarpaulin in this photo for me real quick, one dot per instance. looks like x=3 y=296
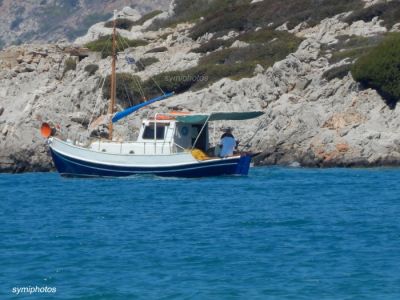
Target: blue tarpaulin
x=122 y=114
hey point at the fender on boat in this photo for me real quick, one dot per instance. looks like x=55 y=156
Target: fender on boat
x=47 y=131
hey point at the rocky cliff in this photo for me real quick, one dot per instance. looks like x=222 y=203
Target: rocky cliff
x=311 y=119
x=53 y=20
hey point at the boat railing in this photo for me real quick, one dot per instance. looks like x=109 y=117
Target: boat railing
x=148 y=147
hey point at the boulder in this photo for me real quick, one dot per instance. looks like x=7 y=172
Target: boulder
x=239 y=44
x=79 y=117
x=130 y=12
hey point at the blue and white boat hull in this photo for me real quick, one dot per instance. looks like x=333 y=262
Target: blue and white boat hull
x=71 y=160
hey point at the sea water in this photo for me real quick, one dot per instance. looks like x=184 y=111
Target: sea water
x=276 y=234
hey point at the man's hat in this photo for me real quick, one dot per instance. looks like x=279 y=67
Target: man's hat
x=227 y=129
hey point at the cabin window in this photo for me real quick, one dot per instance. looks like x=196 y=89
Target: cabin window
x=148 y=133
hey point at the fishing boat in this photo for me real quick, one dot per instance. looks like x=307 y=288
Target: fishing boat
x=169 y=144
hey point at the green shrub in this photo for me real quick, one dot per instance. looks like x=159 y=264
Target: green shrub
x=337 y=72
x=125 y=24
x=353 y=42
x=157 y=49
x=130 y=87
x=196 y=78
x=388 y=11
x=237 y=63
x=104 y=45
x=91 y=69
x=351 y=47
x=200 y=76
x=175 y=81
x=380 y=69
x=246 y=17
x=189 y=10
x=212 y=45
x=263 y=54
x=69 y=64
x=143 y=63
x=262 y=36
x=235 y=72
x=351 y=54
x=128 y=93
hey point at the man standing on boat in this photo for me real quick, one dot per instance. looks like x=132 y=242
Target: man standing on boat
x=227 y=143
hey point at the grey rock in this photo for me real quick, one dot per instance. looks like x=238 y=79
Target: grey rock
x=302 y=83
x=239 y=44
x=258 y=69
x=80 y=118
x=128 y=11
x=396 y=28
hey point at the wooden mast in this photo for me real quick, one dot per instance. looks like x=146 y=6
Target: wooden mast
x=113 y=78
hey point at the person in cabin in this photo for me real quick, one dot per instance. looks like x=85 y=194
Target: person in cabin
x=227 y=143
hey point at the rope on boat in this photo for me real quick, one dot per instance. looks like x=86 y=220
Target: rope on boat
x=96 y=104
x=261 y=125
x=101 y=83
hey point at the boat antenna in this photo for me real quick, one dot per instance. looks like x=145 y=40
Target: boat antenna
x=113 y=78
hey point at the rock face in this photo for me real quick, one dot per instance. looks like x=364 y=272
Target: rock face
x=137 y=32
x=34 y=88
x=373 y=2
x=53 y=20
x=327 y=31
x=308 y=120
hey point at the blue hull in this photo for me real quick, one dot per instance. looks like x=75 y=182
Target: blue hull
x=68 y=166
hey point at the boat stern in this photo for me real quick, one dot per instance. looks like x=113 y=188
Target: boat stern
x=243 y=165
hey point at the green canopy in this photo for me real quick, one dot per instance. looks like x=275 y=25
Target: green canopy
x=218 y=116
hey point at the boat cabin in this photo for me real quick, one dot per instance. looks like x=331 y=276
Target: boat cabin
x=167 y=134
x=160 y=137
x=171 y=136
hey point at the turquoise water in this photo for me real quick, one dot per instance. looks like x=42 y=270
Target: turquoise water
x=277 y=234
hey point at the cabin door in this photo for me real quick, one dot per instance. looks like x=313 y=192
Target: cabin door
x=202 y=141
